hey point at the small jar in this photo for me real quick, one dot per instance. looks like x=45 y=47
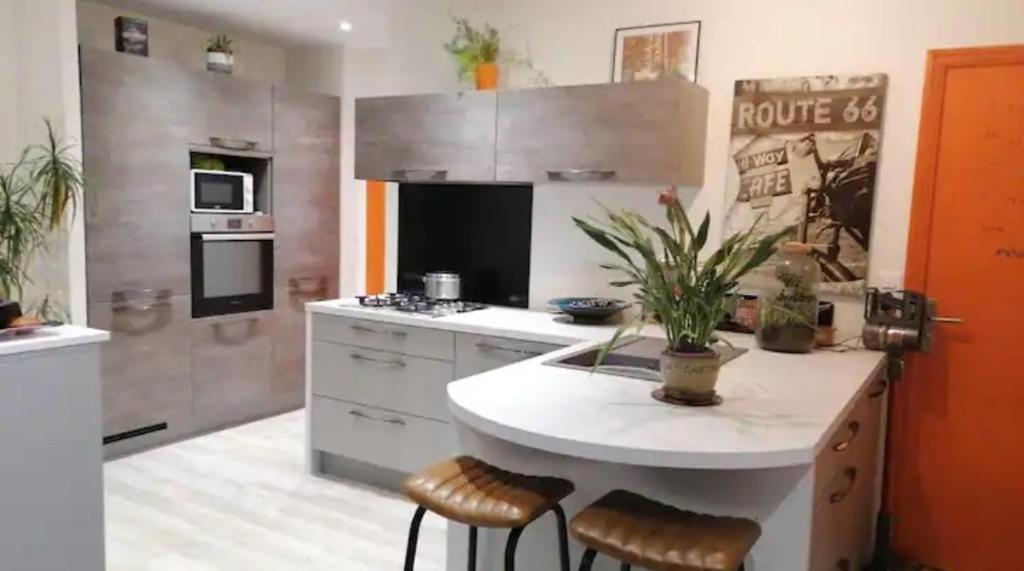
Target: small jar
x=787 y=312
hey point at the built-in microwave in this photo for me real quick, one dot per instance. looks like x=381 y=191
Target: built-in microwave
x=222 y=192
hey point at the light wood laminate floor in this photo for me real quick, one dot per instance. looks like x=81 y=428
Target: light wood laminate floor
x=242 y=499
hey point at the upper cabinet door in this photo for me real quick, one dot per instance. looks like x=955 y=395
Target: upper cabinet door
x=138 y=115
x=639 y=132
x=236 y=108
x=426 y=137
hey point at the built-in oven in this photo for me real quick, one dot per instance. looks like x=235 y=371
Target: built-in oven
x=222 y=192
x=232 y=267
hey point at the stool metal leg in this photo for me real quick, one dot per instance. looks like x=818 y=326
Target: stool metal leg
x=588 y=559
x=563 y=537
x=510 y=548
x=472 y=548
x=414 y=535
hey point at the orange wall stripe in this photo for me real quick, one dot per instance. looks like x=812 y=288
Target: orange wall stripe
x=376 y=220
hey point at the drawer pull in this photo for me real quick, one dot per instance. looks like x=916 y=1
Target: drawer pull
x=490 y=347
x=360 y=414
x=851 y=479
x=372 y=331
x=385 y=362
x=882 y=386
x=842 y=445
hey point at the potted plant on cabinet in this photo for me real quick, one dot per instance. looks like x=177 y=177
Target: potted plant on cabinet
x=36 y=191
x=220 y=53
x=686 y=297
x=476 y=52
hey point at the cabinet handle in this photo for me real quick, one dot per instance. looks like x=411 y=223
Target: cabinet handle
x=842 y=445
x=851 y=479
x=419 y=174
x=372 y=331
x=883 y=385
x=580 y=175
x=360 y=414
x=139 y=300
x=389 y=363
x=490 y=347
x=307 y=285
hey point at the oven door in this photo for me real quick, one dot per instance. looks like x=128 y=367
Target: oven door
x=221 y=192
x=232 y=273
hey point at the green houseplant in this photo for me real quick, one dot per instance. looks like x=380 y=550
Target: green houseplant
x=35 y=193
x=476 y=52
x=686 y=297
x=220 y=53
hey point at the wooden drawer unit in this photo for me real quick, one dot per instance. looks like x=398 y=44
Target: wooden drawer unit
x=379 y=437
x=476 y=354
x=392 y=381
x=417 y=341
x=854 y=443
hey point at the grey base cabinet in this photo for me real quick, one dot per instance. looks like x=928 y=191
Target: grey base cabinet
x=380 y=390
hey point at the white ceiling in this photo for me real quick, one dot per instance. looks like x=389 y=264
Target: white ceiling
x=283 y=21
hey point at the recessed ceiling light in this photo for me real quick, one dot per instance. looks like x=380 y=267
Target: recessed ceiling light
x=345 y=26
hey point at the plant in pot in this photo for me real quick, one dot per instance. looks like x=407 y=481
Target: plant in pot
x=35 y=193
x=788 y=311
x=220 y=53
x=686 y=297
x=476 y=52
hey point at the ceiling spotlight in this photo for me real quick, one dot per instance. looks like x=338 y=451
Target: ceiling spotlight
x=345 y=26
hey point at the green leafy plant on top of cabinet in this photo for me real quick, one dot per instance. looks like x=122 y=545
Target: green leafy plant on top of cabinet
x=35 y=193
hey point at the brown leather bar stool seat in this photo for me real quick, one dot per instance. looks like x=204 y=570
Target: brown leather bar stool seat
x=474 y=493
x=638 y=531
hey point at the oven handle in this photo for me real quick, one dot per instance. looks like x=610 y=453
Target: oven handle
x=237 y=237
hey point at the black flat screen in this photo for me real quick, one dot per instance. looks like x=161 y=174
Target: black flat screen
x=480 y=232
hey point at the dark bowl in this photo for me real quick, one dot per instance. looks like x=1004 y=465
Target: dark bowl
x=589 y=309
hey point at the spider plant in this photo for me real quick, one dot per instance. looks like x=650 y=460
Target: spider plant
x=220 y=43
x=36 y=192
x=472 y=47
x=686 y=297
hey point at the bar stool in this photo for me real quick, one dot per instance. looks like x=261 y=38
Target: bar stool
x=476 y=494
x=639 y=531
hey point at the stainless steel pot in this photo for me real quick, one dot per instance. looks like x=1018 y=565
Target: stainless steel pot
x=442 y=286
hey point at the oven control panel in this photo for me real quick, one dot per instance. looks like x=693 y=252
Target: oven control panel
x=210 y=223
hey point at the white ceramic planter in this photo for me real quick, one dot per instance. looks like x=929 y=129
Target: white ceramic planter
x=220 y=62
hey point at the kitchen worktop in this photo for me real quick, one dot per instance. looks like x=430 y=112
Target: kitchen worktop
x=52 y=338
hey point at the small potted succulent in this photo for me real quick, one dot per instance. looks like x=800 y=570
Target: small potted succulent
x=476 y=52
x=220 y=53
x=686 y=297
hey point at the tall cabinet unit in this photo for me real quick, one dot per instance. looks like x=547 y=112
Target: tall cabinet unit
x=166 y=375
x=307 y=148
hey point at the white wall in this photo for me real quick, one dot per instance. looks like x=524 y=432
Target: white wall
x=183 y=44
x=38 y=56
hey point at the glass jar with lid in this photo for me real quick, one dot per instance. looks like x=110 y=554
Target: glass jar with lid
x=787 y=314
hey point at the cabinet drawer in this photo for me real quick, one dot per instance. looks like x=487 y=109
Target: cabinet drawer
x=232 y=367
x=417 y=341
x=378 y=437
x=837 y=539
x=854 y=443
x=478 y=353
x=391 y=381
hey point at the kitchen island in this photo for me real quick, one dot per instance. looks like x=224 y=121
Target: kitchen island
x=795 y=445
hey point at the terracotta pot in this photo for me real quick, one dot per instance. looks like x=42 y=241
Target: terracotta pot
x=689 y=374
x=487 y=76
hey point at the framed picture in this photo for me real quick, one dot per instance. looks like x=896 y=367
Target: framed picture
x=644 y=53
x=131 y=36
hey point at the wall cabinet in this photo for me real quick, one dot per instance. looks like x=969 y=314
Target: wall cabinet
x=235 y=108
x=639 y=132
x=138 y=116
x=426 y=138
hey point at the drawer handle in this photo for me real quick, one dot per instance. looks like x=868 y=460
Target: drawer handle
x=372 y=331
x=883 y=385
x=851 y=479
x=385 y=362
x=580 y=175
x=490 y=347
x=360 y=414
x=140 y=300
x=842 y=445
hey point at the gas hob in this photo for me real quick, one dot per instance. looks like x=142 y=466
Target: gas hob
x=417 y=303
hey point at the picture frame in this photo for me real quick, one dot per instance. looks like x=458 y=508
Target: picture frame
x=657 y=51
x=131 y=36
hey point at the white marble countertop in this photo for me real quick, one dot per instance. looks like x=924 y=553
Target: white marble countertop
x=52 y=338
x=778 y=409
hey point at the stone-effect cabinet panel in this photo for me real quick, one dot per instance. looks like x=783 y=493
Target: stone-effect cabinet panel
x=138 y=116
x=235 y=108
x=145 y=366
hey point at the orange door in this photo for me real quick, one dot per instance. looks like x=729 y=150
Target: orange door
x=956 y=487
